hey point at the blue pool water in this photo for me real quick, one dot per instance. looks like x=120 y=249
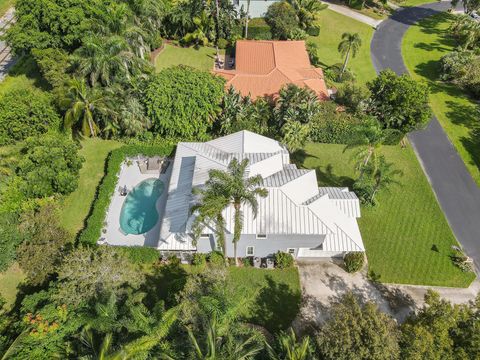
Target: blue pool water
x=139 y=213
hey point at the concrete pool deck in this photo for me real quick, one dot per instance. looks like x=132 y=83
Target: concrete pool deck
x=131 y=176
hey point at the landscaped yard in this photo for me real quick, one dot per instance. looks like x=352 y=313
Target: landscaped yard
x=332 y=26
x=423 y=46
x=404 y=231
x=201 y=58
x=76 y=206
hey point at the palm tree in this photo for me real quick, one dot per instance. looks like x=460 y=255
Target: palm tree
x=239 y=189
x=306 y=11
x=368 y=138
x=291 y=348
x=246 y=19
x=103 y=59
x=295 y=135
x=199 y=35
x=84 y=105
x=223 y=344
x=208 y=210
x=383 y=176
x=296 y=104
x=350 y=44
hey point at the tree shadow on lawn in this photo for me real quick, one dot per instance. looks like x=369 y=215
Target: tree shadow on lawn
x=431 y=46
x=276 y=306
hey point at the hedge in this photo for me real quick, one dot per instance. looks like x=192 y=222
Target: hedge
x=92 y=231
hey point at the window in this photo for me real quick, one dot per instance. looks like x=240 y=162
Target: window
x=261 y=236
x=205 y=236
x=250 y=251
x=291 y=251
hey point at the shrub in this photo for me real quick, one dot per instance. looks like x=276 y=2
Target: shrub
x=460 y=260
x=312 y=50
x=313 y=31
x=258 y=29
x=93 y=229
x=247 y=261
x=283 y=260
x=173 y=260
x=334 y=73
x=183 y=102
x=222 y=43
x=354 y=261
x=140 y=254
x=216 y=258
x=199 y=259
x=24 y=113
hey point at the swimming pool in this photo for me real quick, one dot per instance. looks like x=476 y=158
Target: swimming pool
x=139 y=213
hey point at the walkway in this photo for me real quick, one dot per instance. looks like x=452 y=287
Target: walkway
x=456 y=191
x=353 y=14
x=6 y=58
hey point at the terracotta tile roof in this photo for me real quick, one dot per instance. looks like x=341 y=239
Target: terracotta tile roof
x=262 y=68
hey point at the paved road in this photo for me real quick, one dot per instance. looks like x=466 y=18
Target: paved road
x=457 y=193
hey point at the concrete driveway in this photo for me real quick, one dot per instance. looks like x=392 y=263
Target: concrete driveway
x=323 y=283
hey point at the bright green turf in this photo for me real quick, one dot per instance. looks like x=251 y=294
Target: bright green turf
x=9 y=280
x=423 y=46
x=399 y=233
x=201 y=58
x=75 y=207
x=332 y=26
x=5 y=5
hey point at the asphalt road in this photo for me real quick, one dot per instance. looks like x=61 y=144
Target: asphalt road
x=456 y=191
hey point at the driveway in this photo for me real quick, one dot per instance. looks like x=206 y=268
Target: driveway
x=325 y=282
x=456 y=191
x=346 y=11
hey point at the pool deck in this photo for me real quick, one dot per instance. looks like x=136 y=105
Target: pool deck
x=131 y=177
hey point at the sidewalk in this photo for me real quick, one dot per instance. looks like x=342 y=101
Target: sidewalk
x=353 y=14
x=6 y=58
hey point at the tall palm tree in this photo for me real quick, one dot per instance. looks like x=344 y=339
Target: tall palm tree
x=383 y=176
x=306 y=11
x=246 y=19
x=84 y=105
x=368 y=138
x=223 y=345
x=103 y=60
x=291 y=348
x=209 y=210
x=199 y=35
x=349 y=45
x=239 y=189
x=295 y=135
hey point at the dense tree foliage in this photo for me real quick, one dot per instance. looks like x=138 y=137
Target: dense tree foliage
x=183 y=102
x=9 y=239
x=50 y=166
x=366 y=332
x=24 y=113
x=399 y=102
x=282 y=19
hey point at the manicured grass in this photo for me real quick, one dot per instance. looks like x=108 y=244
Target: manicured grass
x=408 y=3
x=9 y=280
x=24 y=74
x=423 y=46
x=76 y=206
x=201 y=58
x=332 y=26
x=275 y=295
x=401 y=231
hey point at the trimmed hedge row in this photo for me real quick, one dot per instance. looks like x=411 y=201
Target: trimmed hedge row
x=92 y=231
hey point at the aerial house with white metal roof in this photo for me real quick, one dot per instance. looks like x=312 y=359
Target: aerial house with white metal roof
x=296 y=216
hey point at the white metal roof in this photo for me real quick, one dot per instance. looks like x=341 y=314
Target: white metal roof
x=294 y=205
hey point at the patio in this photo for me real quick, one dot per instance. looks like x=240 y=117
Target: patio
x=133 y=172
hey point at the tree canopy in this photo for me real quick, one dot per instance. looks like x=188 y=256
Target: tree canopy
x=183 y=102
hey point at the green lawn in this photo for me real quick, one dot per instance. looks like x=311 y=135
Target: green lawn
x=9 y=280
x=201 y=58
x=76 y=206
x=408 y=3
x=423 y=46
x=400 y=232
x=332 y=26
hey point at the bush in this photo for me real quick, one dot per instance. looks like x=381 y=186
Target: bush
x=140 y=254
x=222 y=43
x=93 y=229
x=216 y=258
x=247 y=261
x=24 y=113
x=283 y=260
x=199 y=259
x=258 y=29
x=174 y=260
x=334 y=73
x=313 y=31
x=354 y=261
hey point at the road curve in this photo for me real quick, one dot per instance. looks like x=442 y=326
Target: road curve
x=455 y=189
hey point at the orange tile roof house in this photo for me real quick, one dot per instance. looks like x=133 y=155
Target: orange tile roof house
x=262 y=68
